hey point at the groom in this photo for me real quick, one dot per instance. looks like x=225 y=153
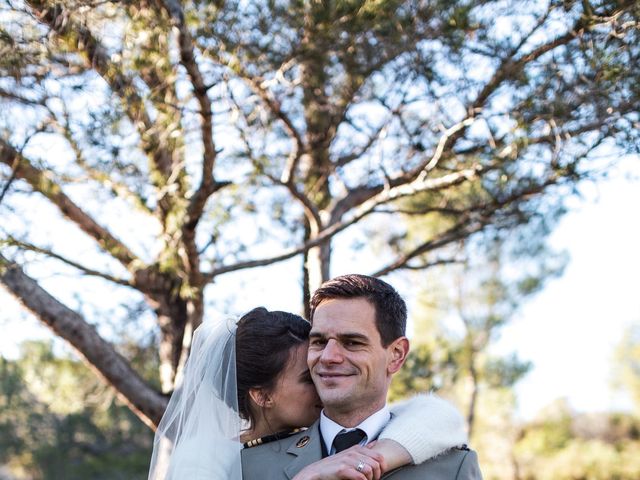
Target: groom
x=357 y=343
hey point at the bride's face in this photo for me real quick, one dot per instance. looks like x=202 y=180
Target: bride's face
x=295 y=402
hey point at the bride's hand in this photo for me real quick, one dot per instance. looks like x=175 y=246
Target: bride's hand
x=394 y=454
x=344 y=466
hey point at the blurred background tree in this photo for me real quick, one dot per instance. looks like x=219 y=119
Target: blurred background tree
x=464 y=308
x=58 y=420
x=562 y=444
x=627 y=365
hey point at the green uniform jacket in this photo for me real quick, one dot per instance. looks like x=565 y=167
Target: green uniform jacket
x=283 y=459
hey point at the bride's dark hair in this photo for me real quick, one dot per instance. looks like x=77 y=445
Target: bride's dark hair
x=264 y=340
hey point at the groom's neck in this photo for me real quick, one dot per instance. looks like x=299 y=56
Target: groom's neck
x=350 y=417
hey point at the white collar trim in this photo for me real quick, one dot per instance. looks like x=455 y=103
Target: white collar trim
x=372 y=426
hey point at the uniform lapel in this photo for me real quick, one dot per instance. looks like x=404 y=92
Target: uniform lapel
x=306 y=450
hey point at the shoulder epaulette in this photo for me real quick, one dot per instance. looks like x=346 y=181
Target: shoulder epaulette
x=271 y=438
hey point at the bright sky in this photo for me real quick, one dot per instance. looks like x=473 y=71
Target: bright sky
x=568 y=331
x=571 y=328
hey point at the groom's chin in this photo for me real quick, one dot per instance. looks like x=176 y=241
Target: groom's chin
x=333 y=397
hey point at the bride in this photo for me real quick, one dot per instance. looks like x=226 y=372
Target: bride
x=248 y=384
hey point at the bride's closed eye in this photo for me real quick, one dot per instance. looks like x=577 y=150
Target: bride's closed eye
x=305 y=377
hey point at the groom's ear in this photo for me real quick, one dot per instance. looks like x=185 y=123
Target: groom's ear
x=260 y=397
x=397 y=354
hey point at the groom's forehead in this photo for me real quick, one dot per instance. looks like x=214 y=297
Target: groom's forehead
x=341 y=320
x=342 y=326
x=341 y=308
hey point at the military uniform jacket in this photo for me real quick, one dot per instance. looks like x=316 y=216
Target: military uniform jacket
x=283 y=459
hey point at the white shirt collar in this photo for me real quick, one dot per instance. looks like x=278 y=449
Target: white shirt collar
x=372 y=426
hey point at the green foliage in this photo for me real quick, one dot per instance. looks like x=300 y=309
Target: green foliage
x=551 y=434
x=504 y=372
x=57 y=420
x=463 y=310
x=427 y=368
x=627 y=367
x=564 y=445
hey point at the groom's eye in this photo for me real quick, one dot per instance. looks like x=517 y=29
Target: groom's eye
x=317 y=342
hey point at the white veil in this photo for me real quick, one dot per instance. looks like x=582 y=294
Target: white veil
x=199 y=435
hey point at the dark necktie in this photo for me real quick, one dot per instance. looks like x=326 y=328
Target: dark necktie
x=348 y=439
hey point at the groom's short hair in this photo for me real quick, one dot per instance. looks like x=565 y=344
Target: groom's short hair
x=390 y=308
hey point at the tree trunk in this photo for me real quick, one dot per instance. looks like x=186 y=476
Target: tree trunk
x=306 y=284
x=471 y=412
x=320 y=131
x=172 y=318
x=315 y=268
x=318 y=261
x=162 y=291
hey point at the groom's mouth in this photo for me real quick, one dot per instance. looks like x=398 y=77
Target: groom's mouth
x=332 y=375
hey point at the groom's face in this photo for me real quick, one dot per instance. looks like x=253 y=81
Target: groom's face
x=348 y=363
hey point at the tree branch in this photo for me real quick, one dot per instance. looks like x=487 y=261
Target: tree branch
x=14 y=169
x=404 y=182
x=146 y=402
x=42 y=183
x=310 y=209
x=208 y=185
x=509 y=68
x=343 y=160
x=188 y=61
x=59 y=20
x=49 y=253
x=473 y=220
x=435 y=263
x=256 y=84
x=365 y=209
x=118 y=188
x=40 y=102
x=462 y=229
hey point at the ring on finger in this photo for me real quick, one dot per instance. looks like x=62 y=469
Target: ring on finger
x=360 y=466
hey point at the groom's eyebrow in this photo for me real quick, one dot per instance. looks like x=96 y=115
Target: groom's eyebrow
x=342 y=337
x=352 y=336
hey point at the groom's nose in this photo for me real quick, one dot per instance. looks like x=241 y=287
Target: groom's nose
x=332 y=352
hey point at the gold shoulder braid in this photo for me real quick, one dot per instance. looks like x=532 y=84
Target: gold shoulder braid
x=271 y=438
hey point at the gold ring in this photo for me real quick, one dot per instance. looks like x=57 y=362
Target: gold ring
x=360 y=466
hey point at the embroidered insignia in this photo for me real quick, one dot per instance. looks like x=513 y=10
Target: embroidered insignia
x=271 y=438
x=303 y=441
